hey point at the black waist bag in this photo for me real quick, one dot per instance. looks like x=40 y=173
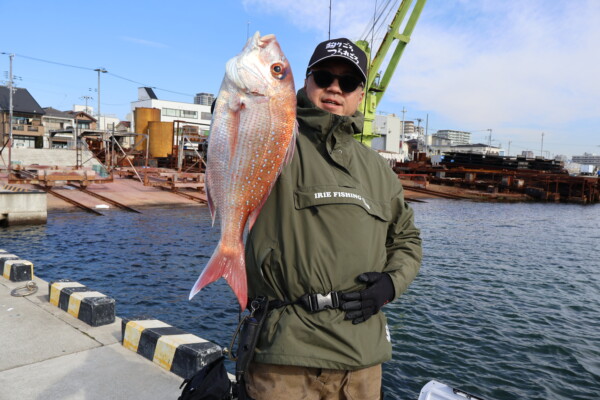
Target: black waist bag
x=209 y=383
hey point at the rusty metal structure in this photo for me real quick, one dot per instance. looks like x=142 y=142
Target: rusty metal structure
x=48 y=176
x=539 y=179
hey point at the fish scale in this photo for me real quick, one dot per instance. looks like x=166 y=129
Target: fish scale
x=252 y=136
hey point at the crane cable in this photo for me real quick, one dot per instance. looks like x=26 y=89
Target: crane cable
x=368 y=73
x=378 y=21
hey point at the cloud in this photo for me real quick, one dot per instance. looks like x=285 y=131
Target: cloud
x=518 y=67
x=532 y=64
x=143 y=42
x=347 y=17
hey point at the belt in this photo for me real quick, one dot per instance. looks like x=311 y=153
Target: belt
x=312 y=302
x=315 y=302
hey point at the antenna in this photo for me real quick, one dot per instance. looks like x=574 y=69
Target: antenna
x=329 y=33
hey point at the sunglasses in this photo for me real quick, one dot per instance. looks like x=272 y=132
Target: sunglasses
x=324 y=78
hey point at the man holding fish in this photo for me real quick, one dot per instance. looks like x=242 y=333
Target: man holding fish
x=334 y=242
x=331 y=239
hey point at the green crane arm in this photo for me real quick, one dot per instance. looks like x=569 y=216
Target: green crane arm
x=376 y=83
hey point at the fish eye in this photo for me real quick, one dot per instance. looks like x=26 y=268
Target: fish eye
x=277 y=70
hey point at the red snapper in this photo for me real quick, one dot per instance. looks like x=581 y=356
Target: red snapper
x=252 y=137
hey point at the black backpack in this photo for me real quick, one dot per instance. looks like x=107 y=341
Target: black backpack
x=209 y=383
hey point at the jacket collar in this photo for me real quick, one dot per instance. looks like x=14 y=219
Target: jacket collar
x=321 y=123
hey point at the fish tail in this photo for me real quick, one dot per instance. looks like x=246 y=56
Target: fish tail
x=229 y=263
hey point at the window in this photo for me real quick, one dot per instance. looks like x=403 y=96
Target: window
x=206 y=116
x=190 y=114
x=172 y=112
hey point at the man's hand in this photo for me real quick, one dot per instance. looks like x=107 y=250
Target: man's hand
x=360 y=306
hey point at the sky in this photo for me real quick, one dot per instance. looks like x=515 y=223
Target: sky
x=524 y=71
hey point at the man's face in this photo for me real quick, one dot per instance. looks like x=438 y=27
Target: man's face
x=333 y=98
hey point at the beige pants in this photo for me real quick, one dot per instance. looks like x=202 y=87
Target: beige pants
x=274 y=382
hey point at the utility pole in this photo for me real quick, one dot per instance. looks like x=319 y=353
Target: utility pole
x=542 y=150
x=99 y=70
x=402 y=137
x=419 y=136
x=489 y=149
x=426 y=138
x=86 y=98
x=10 y=112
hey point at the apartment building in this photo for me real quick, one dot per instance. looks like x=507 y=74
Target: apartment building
x=27 y=128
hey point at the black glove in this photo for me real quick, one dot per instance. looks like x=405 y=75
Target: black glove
x=360 y=306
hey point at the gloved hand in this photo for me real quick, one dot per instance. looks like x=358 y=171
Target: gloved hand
x=360 y=306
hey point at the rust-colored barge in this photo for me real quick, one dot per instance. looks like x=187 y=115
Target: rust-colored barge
x=537 y=179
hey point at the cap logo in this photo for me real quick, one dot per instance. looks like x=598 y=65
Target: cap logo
x=342 y=49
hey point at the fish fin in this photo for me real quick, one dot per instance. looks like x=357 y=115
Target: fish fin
x=236 y=105
x=230 y=264
x=292 y=147
x=211 y=206
x=265 y=40
x=254 y=214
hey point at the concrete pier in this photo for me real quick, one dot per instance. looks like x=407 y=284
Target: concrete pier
x=22 y=206
x=45 y=353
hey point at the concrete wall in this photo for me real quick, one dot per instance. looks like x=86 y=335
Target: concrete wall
x=53 y=157
x=23 y=208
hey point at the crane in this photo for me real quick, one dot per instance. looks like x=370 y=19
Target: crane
x=377 y=80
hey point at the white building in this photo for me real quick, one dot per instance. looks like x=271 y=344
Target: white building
x=170 y=111
x=442 y=145
x=389 y=127
x=456 y=137
x=587 y=159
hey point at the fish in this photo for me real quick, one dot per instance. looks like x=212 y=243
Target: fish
x=252 y=136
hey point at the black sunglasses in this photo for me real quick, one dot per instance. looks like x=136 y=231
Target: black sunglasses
x=324 y=79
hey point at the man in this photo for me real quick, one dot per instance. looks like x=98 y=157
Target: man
x=333 y=243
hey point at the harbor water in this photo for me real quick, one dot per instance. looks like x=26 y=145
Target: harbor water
x=506 y=305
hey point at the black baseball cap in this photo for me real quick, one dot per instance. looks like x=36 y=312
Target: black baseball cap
x=340 y=48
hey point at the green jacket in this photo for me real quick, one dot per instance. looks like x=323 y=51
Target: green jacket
x=336 y=211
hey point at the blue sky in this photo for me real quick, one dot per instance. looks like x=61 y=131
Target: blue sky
x=518 y=67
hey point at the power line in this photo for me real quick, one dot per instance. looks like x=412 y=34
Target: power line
x=54 y=62
x=109 y=73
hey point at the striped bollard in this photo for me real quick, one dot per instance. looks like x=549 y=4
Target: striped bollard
x=91 y=307
x=171 y=348
x=18 y=270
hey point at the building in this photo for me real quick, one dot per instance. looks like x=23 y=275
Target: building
x=59 y=129
x=195 y=116
x=388 y=143
x=387 y=127
x=205 y=99
x=105 y=122
x=83 y=120
x=527 y=154
x=587 y=159
x=27 y=128
x=441 y=145
x=456 y=137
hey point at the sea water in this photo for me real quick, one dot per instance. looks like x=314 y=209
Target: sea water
x=506 y=305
